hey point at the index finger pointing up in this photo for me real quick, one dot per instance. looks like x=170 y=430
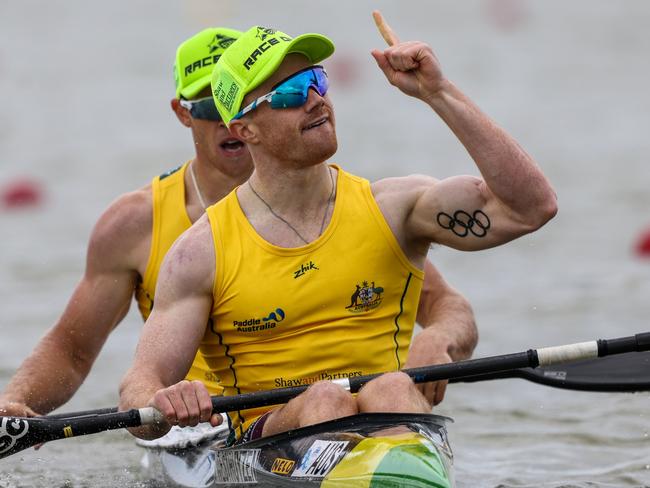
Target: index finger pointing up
x=384 y=29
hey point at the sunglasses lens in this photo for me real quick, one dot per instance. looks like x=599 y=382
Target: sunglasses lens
x=205 y=109
x=288 y=100
x=294 y=91
x=322 y=83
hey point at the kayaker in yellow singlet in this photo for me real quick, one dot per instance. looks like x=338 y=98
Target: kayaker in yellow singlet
x=236 y=268
x=133 y=235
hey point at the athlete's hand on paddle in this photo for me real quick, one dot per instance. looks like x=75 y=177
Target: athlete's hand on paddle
x=428 y=349
x=410 y=66
x=185 y=404
x=16 y=409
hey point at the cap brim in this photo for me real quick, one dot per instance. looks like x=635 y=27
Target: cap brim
x=191 y=90
x=314 y=47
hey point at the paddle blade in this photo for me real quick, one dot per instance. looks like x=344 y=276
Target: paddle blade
x=17 y=434
x=623 y=372
x=627 y=372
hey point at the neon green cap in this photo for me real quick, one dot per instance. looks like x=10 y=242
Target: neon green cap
x=253 y=58
x=196 y=57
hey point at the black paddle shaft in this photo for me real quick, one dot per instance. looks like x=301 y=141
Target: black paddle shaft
x=419 y=375
x=460 y=369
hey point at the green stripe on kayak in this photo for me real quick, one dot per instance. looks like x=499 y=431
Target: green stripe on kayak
x=400 y=461
x=411 y=466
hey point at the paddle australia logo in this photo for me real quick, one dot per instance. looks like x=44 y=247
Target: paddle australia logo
x=303 y=269
x=321 y=457
x=367 y=296
x=254 y=324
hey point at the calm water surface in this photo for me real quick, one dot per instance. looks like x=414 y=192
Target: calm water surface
x=86 y=115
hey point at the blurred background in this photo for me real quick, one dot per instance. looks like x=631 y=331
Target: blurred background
x=86 y=117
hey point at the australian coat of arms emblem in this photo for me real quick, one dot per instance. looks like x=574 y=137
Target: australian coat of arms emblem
x=366 y=297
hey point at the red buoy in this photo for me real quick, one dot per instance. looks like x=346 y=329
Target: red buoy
x=642 y=246
x=21 y=193
x=507 y=15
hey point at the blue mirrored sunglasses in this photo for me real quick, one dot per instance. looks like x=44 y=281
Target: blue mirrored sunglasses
x=203 y=108
x=293 y=91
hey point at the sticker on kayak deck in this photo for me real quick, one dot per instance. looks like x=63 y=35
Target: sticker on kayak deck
x=236 y=466
x=282 y=466
x=321 y=457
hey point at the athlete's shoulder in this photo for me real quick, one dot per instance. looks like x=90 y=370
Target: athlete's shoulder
x=124 y=227
x=397 y=196
x=401 y=184
x=129 y=212
x=390 y=184
x=191 y=259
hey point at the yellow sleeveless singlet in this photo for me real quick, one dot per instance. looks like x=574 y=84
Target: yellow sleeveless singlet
x=170 y=220
x=341 y=306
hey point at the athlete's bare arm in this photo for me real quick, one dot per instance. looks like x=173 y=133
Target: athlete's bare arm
x=64 y=355
x=171 y=337
x=443 y=310
x=449 y=330
x=512 y=197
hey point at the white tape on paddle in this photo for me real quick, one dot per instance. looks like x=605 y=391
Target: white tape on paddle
x=149 y=415
x=564 y=354
x=344 y=382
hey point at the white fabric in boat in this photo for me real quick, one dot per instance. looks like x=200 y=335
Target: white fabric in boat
x=183 y=437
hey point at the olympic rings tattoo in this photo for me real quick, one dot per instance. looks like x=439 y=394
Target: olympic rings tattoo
x=463 y=223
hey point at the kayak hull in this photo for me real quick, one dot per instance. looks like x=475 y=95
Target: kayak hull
x=378 y=450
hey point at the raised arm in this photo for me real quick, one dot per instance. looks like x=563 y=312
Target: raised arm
x=171 y=337
x=449 y=330
x=512 y=198
x=63 y=357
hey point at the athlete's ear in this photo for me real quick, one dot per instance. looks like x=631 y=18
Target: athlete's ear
x=181 y=112
x=243 y=131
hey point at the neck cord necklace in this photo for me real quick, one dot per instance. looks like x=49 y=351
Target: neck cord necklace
x=322 y=224
x=196 y=186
